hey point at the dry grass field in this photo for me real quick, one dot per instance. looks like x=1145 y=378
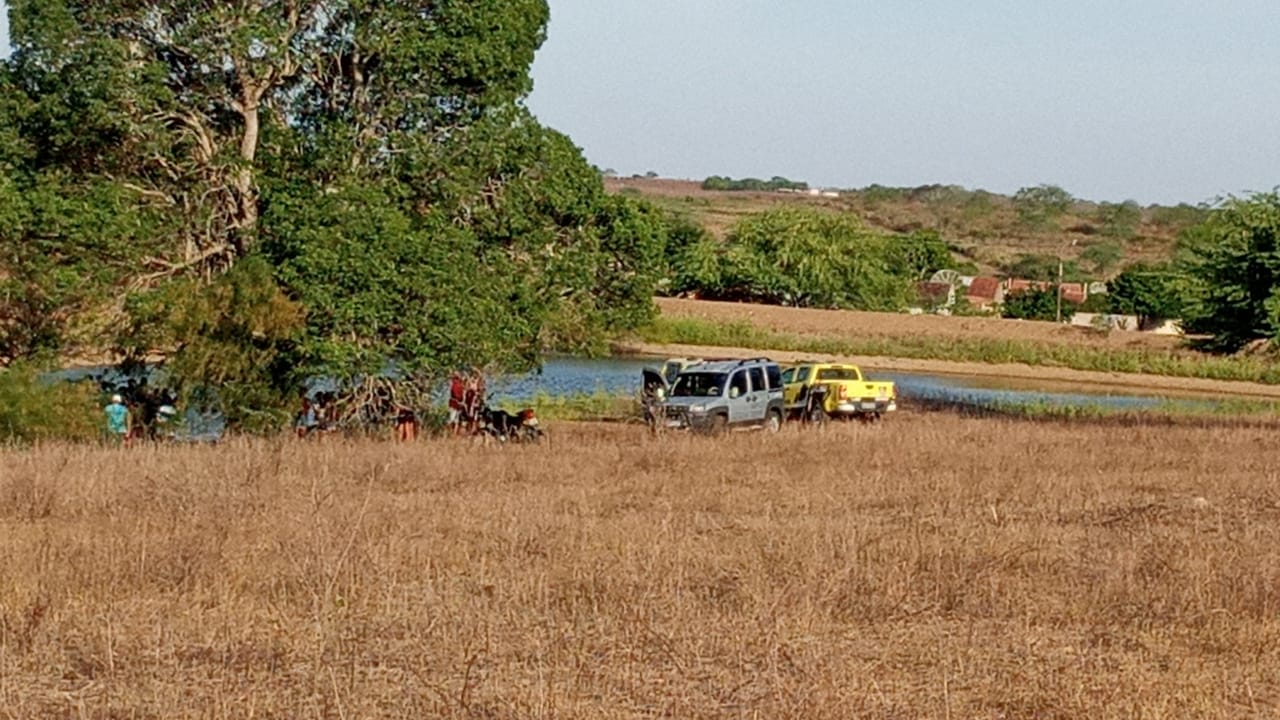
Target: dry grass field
x=932 y=566
x=852 y=323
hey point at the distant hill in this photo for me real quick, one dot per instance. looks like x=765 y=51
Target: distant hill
x=997 y=234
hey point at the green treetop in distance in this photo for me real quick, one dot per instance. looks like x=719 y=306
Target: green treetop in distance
x=1231 y=265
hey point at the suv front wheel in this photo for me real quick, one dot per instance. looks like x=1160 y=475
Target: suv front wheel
x=773 y=423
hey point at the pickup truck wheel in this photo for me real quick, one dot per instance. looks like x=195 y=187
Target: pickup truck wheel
x=817 y=415
x=773 y=423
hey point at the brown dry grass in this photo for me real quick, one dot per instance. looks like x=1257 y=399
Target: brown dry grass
x=932 y=566
x=850 y=323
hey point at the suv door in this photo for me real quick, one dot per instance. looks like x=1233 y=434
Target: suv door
x=738 y=397
x=759 y=394
x=791 y=390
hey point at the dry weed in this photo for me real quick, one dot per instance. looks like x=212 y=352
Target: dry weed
x=932 y=566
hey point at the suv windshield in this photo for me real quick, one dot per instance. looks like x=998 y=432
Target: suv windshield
x=697 y=383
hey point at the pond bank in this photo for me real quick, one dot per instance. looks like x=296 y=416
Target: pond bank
x=1166 y=385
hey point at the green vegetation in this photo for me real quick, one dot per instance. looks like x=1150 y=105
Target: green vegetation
x=1044 y=268
x=1033 y=304
x=598 y=405
x=1041 y=206
x=1102 y=257
x=720 y=182
x=33 y=410
x=261 y=193
x=1168 y=408
x=980 y=350
x=1152 y=292
x=806 y=258
x=1119 y=220
x=1231 y=269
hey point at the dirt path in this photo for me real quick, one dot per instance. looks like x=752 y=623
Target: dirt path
x=1187 y=387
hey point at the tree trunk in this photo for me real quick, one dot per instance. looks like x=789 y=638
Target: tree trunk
x=246 y=193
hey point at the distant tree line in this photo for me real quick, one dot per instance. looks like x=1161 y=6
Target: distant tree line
x=719 y=182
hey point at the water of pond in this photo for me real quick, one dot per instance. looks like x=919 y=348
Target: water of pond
x=566 y=376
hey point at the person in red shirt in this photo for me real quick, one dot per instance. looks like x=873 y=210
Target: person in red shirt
x=457 y=401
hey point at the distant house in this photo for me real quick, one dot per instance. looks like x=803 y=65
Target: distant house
x=1019 y=285
x=1073 y=293
x=985 y=292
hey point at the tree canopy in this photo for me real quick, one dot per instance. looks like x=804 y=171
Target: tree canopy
x=805 y=258
x=371 y=165
x=1153 y=292
x=1231 y=265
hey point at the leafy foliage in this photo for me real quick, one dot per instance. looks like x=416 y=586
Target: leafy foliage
x=1120 y=220
x=33 y=409
x=1041 y=206
x=228 y=344
x=1152 y=292
x=267 y=191
x=1232 y=263
x=1102 y=256
x=809 y=258
x=1043 y=268
x=919 y=255
x=1031 y=304
x=720 y=182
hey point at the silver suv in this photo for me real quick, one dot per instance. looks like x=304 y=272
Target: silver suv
x=716 y=396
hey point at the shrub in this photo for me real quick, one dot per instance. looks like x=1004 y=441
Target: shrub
x=33 y=408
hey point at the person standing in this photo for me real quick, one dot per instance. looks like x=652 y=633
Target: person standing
x=457 y=401
x=406 y=424
x=117 y=420
x=306 y=421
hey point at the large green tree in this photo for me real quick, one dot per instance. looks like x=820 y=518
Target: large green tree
x=1153 y=292
x=372 y=162
x=1232 y=263
x=812 y=258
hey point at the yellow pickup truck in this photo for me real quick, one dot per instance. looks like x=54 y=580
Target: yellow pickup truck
x=815 y=391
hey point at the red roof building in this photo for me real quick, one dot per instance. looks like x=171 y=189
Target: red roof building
x=985 y=292
x=1073 y=293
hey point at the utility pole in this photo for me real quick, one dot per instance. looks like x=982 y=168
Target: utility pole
x=1058 y=290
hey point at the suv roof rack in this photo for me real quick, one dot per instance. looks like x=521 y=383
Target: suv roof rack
x=752 y=360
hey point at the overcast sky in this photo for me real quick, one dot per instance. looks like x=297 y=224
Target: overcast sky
x=1155 y=100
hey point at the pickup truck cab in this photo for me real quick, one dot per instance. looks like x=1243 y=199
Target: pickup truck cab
x=723 y=395
x=815 y=391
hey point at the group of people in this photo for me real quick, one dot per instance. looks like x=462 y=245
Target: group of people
x=318 y=414
x=139 y=412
